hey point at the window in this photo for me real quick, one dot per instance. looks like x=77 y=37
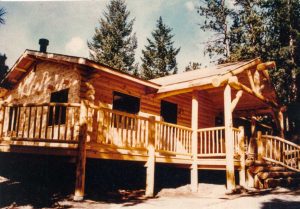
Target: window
x=168 y=112
x=57 y=114
x=126 y=103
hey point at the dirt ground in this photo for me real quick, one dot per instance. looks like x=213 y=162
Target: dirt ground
x=48 y=182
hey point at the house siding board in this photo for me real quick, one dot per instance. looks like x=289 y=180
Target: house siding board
x=207 y=111
x=36 y=86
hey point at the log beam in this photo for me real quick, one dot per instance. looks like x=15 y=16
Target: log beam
x=238 y=86
x=236 y=100
x=194 y=168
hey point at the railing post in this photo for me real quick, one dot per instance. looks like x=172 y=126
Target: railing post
x=150 y=165
x=229 y=140
x=260 y=146
x=194 y=168
x=81 y=157
x=242 y=153
x=2 y=112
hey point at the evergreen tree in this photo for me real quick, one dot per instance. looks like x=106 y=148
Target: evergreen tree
x=192 y=66
x=113 y=43
x=247 y=31
x=217 y=18
x=2 y=13
x=159 y=56
x=3 y=66
x=283 y=45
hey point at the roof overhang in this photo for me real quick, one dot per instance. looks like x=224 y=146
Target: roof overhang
x=29 y=59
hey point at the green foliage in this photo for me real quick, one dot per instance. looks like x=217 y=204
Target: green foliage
x=247 y=31
x=3 y=66
x=269 y=29
x=159 y=56
x=217 y=17
x=283 y=45
x=113 y=43
x=2 y=13
x=192 y=66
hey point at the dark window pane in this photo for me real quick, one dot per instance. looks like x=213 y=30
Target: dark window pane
x=58 y=113
x=126 y=103
x=168 y=112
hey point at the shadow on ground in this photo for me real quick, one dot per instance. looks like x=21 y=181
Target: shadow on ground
x=46 y=181
x=281 y=204
x=43 y=181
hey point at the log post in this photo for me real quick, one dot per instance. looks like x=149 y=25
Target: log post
x=81 y=157
x=242 y=153
x=2 y=113
x=281 y=122
x=260 y=146
x=194 y=168
x=150 y=165
x=229 y=140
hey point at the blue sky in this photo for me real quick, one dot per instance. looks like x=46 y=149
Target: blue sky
x=68 y=26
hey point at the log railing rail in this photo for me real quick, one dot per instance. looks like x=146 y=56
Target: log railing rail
x=279 y=151
x=42 y=122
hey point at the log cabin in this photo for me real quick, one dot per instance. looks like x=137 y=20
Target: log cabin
x=57 y=104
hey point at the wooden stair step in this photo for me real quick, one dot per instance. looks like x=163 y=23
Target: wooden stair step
x=257 y=169
x=285 y=182
x=277 y=174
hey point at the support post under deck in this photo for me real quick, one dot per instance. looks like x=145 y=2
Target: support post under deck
x=150 y=165
x=229 y=140
x=194 y=168
x=81 y=157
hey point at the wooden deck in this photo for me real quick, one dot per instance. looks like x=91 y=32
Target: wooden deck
x=88 y=131
x=53 y=129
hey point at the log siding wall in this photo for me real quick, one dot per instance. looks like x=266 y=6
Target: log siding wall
x=48 y=77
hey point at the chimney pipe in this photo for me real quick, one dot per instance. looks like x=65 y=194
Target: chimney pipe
x=43 y=44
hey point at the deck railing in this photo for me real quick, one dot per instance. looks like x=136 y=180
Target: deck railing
x=46 y=122
x=171 y=138
x=123 y=130
x=281 y=151
x=59 y=122
x=119 y=129
x=211 y=141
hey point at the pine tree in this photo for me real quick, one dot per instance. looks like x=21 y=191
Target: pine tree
x=159 y=56
x=113 y=43
x=3 y=66
x=247 y=31
x=192 y=66
x=2 y=13
x=217 y=18
x=283 y=45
